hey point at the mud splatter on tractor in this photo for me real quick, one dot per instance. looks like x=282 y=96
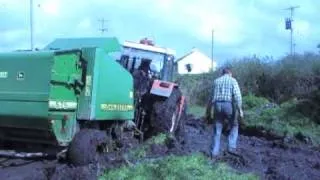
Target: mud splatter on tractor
x=74 y=97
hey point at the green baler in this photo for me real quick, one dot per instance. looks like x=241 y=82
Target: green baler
x=46 y=95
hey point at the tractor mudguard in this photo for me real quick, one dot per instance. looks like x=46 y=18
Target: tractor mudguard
x=162 y=88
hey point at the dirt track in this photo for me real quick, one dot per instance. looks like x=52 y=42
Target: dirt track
x=270 y=159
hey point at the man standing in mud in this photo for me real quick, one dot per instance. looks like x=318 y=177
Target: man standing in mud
x=227 y=103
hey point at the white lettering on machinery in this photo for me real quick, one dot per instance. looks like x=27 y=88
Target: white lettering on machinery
x=62 y=104
x=88 y=86
x=88 y=80
x=3 y=74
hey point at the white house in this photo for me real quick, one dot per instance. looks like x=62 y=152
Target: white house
x=197 y=61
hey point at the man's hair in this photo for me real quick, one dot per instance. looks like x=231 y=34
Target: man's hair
x=226 y=70
x=145 y=65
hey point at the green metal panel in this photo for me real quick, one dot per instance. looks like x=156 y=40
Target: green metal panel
x=22 y=109
x=63 y=99
x=36 y=91
x=108 y=44
x=37 y=94
x=24 y=79
x=84 y=107
x=112 y=93
x=109 y=89
x=64 y=73
x=24 y=93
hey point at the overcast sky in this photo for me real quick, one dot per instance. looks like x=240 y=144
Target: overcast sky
x=241 y=27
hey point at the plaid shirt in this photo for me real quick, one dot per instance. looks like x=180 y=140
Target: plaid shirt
x=226 y=88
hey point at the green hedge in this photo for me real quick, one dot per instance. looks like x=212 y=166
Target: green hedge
x=283 y=120
x=278 y=81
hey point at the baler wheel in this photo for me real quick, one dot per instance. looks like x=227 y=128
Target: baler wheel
x=87 y=146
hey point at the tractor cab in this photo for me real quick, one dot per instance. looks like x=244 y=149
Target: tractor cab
x=156 y=62
x=159 y=102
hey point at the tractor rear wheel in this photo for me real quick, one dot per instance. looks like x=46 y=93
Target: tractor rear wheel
x=165 y=115
x=180 y=132
x=86 y=147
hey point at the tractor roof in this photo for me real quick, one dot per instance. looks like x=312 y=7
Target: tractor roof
x=139 y=46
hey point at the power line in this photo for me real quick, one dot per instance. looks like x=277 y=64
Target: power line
x=289 y=26
x=103 y=29
x=212 y=43
x=31 y=25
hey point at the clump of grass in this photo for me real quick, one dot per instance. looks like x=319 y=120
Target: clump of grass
x=283 y=120
x=252 y=101
x=174 y=167
x=196 y=110
x=160 y=139
x=141 y=151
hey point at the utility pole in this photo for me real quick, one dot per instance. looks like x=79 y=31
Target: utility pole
x=289 y=26
x=102 y=29
x=31 y=24
x=212 y=43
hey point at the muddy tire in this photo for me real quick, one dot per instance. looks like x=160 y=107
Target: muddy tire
x=180 y=132
x=86 y=147
x=165 y=115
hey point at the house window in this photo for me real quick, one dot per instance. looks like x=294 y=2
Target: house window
x=189 y=67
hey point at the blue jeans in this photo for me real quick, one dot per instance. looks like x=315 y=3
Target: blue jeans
x=222 y=111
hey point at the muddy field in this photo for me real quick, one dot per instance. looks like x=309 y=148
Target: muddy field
x=270 y=158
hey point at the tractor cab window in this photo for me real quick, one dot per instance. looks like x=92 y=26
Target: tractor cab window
x=160 y=65
x=160 y=61
x=132 y=59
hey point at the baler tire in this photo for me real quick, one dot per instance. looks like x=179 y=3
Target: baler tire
x=86 y=146
x=164 y=110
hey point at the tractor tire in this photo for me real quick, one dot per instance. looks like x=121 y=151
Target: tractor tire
x=86 y=147
x=164 y=116
x=180 y=132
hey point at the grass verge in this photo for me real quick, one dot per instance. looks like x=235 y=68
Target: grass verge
x=173 y=167
x=282 y=120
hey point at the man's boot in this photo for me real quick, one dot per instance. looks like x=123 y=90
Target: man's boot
x=216 y=139
x=232 y=140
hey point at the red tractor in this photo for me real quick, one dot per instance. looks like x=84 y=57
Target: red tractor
x=159 y=103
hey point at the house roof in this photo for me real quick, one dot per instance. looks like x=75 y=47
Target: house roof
x=193 y=51
x=183 y=57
